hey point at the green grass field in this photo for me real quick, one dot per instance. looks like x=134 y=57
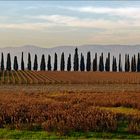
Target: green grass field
x=16 y=134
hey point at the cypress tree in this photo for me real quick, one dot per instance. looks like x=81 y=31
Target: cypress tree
x=107 y=64
x=2 y=62
x=114 y=65
x=138 y=63
x=95 y=63
x=88 y=64
x=120 y=63
x=43 y=63
x=62 y=63
x=22 y=62
x=15 y=63
x=127 y=63
x=49 y=63
x=76 y=60
x=8 y=67
x=29 y=66
x=133 y=64
x=82 y=63
x=108 y=61
x=35 y=63
x=101 y=63
x=69 y=63
x=55 y=62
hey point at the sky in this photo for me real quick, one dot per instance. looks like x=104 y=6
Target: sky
x=58 y=23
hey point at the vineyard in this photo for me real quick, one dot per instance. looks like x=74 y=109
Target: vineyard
x=51 y=77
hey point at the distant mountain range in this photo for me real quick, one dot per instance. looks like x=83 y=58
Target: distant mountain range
x=113 y=49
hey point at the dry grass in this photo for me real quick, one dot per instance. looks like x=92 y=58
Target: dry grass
x=66 y=112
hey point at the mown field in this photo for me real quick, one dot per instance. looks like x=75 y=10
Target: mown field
x=36 y=104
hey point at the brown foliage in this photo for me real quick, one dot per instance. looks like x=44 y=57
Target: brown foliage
x=24 y=111
x=66 y=112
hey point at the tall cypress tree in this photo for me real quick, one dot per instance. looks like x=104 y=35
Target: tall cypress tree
x=95 y=63
x=8 y=67
x=43 y=63
x=22 y=62
x=62 y=63
x=101 y=63
x=76 y=60
x=133 y=64
x=49 y=63
x=107 y=64
x=35 y=63
x=82 y=63
x=15 y=63
x=120 y=63
x=127 y=63
x=2 y=62
x=114 y=65
x=29 y=65
x=55 y=62
x=69 y=63
x=138 y=63
x=88 y=64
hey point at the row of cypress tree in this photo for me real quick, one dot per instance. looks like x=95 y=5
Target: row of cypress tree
x=77 y=65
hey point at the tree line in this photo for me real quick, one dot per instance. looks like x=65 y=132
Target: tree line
x=78 y=63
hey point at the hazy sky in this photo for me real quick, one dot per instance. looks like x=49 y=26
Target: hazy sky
x=50 y=24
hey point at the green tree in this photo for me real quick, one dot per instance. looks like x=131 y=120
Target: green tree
x=101 y=63
x=69 y=63
x=127 y=63
x=29 y=65
x=43 y=63
x=62 y=63
x=55 y=62
x=2 y=62
x=22 y=62
x=49 y=63
x=82 y=63
x=114 y=65
x=15 y=63
x=120 y=63
x=88 y=64
x=95 y=63
x=8 y=66
x=35 y=63
x=133 y=64
x=107 y=64
x=138 y=63
x=76 y=60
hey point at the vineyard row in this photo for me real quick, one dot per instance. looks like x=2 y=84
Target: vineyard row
x=46 y=77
